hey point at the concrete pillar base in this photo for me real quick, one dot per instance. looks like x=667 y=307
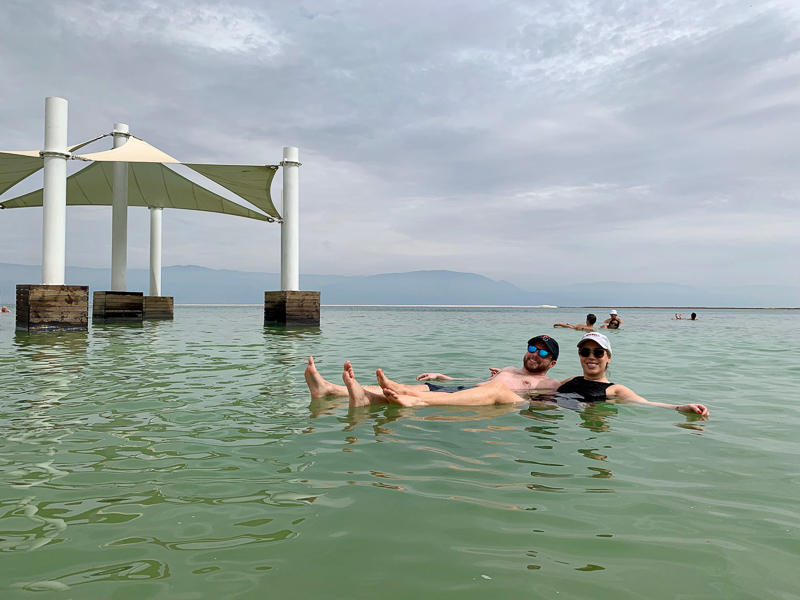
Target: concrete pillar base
x=159 y=307
x=291 y=308
x=118 y=307
x=52 y=307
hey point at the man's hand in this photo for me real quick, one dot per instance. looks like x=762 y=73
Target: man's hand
x=493 y=372
x=433 y=377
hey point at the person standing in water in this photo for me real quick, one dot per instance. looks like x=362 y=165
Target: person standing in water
x=612 y=323
x=614 y=316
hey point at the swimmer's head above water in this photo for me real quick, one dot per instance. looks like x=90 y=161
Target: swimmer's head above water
x=541 y=355
x=550 y=344
x=601 y=340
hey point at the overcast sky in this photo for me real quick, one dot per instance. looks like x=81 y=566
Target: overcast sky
x=545 y=142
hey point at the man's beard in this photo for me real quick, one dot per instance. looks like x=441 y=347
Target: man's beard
x=536 y=368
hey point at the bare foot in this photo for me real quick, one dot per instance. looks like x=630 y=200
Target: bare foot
x=318 y=386
x=385 y=382
x=402 y=399
x=359 y=396
x=409 y=390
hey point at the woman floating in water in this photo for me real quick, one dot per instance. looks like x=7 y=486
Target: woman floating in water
x=594 y=350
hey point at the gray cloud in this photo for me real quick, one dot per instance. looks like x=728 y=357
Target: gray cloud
x=560 y=142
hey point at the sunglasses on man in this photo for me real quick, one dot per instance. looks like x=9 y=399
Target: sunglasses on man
x=542 y=353
x=587 y=352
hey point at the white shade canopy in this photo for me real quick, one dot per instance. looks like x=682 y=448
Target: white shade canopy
x=134 y=150
x=251 y=182
x=149 y=184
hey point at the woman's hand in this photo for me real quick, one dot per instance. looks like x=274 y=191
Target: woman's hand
x=693 y=408
x=493 y=372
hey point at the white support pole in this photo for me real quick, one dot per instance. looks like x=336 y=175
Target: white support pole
x=290 y=227
x=155 y=250
x=119 y=216
x=54 y=214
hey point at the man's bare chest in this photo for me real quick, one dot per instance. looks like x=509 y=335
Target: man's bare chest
x=517 y=381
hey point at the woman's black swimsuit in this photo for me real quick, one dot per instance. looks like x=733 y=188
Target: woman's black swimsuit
x=590 y=391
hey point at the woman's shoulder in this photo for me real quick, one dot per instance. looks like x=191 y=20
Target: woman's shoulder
x=576 y=380
x=619 y=390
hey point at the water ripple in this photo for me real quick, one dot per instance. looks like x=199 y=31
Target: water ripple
x=182 y=459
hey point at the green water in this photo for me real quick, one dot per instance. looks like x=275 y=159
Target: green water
x=184 y=460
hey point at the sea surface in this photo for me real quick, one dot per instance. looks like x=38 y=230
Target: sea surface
x=185 y=460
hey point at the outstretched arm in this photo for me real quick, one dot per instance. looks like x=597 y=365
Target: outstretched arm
x=620 y=391
x=434 y=377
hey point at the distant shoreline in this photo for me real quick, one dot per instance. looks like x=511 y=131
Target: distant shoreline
x=700 y=307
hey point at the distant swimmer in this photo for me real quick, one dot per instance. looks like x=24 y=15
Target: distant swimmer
x=590 y=321
x=541 y=356
x=613 y=317
x=4 y=309
x=612 y=323
x=679 y=317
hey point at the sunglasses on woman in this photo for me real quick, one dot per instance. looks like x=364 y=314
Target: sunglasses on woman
x=542 y=353
x=587 y=352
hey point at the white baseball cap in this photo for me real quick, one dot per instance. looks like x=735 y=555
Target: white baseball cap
x=596 y=337
x=613 y=312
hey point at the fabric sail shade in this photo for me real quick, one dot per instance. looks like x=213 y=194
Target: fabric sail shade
x=150 y=183
x=16 y=166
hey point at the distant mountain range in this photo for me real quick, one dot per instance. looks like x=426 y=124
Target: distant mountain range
x=198 y=285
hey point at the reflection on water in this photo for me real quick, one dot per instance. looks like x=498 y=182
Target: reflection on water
x=185 y=458
x=283 y=350
x=56 y=357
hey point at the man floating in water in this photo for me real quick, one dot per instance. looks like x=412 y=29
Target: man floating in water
x=679 y=317
x=594 y=350
x=540 y=357
x=590 y=321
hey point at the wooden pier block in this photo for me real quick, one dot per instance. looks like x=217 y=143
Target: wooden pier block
x=291 y=308
x=159 y=307
x=52 y=307
x=118 y=307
